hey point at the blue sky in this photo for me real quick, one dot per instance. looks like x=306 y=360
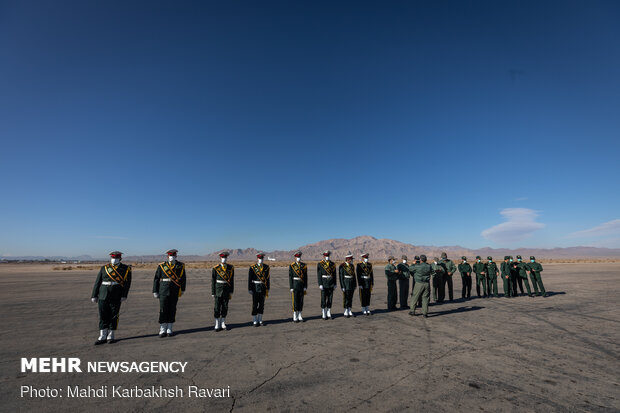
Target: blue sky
x=144 y=126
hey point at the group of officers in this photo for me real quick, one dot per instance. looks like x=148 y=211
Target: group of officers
x=114 y=281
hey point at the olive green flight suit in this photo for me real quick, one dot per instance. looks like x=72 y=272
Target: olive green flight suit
x=422 y=274
x=535 y=270
x=450 y=270
x=392 y=277
x=522 y=278
x=403 y=284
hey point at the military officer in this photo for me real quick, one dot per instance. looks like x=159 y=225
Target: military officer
x=365 y=280
x=480 y=270
x=421 y=272
x=522 y=276
x=348 y=284
x=403 y=283
x=465 y=270
x=222 y=289
x=439 y=274
x=110 y=289
x=534 y=269
x=450 y=270
x=298 y=283
x=505 y=269
x=391 y=273
x=258 y=287
x=492 y=273
x=514 y=274
x=416 y=260
x=168 y=285
x=326 y=276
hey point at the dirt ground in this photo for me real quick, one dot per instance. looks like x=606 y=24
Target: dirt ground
x=560 y=353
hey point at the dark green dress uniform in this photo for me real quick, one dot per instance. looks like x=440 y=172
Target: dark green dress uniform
x=222 y=288
x=365 y=280
x=326 y=277
x=481 y=278
x=439 y=274
x=450 y=270
x=392 y=277
x=112 y=284
x=535 y=269
x=348 y=283
x=259 y=284
x=298 y=282
x=522 y=276
x=421 y=290
x=465 y=271
x=403 y=284
x=492 y=273
x=169 y=283
x=505 y=269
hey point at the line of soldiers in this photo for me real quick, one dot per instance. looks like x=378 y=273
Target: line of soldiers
x=114 y=281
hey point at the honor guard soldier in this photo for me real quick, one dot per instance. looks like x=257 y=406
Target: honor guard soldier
x=168 y=286
x=391 y=273
x=505 y=269
x=421 y=272
x=439 y=276
x=222 y=289
x=258 y=287
x=481 y=279
x=492 y=273
x=326 y=276
x=450 y=270
x=403 y=283
x=298 y=283
x=465 y=270
x=522 y=276
x=365 y=280
x=348 y=284
x=110 y=289
x=534 y=269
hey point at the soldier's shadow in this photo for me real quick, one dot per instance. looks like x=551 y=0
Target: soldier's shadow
x=454 y=311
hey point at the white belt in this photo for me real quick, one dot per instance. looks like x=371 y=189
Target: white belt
x=326 y=276
x=257 y=282
x=297 y=278
x=221 y=282
x=366 y=276
x=348 y=276
x=109 y=283
x=164 y=280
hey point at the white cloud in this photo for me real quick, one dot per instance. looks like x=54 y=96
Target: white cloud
x=521 y=224
x=607 y=228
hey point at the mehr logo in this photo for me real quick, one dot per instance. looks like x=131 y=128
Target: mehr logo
x=51 y=365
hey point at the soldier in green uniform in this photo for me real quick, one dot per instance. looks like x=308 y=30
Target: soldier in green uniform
x=522 y=276
x=421 y=272
x=258 y=287
x=391 y=273
x=298 y=283
x=439 y=276
x=514 y=274
x=326 y=276
x=450 y=270
x=481 y=279
x=365 y=280
x=534 y=269
x=465 y=270
x=403 y=283
x=492 y=273
x=348 y=284
x=416 y=260
x=222 y=289
x=505 y=268
x=168 y=285
x=110 y=289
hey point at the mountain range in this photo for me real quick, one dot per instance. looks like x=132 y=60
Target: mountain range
x=379 y=250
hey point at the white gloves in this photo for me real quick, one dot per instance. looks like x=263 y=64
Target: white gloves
x=320 y=287
x=155 y=295
x=94 y=299
x=212 y=295
x=343 y=290
x=304 y=290
x=291 y=290
x=123 y=299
